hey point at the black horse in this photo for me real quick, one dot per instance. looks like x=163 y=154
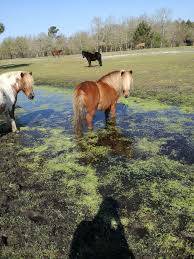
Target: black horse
x=92 y=57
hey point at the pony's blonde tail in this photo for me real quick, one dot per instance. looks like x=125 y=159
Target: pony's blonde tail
x=78 y=109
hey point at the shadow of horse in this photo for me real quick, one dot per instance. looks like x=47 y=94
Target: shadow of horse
x=92 y=66
x=14 y=65
x=113 y=138
x=103 y=237
x=32 y=118
x=110 y=136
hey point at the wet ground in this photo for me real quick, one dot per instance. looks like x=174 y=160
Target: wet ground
x=123 y=190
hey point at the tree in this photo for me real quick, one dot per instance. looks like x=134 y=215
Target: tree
x=183 y=32
x=106 y=35
x=22 y=47
x=189 y=39
x=52 y=31
x=82 y=41
x=97 y=28
x=43 y=44
x=8 y=48
x=162 y=17
x=189 y=23
x=2 y=28
x=156 y=40
x=143 y=33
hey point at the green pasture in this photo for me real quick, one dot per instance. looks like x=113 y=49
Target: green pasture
x=165 y=75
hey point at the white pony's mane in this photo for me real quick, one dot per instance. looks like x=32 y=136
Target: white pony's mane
x=9 y=78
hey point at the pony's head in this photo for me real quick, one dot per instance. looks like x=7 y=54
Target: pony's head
x=83 y=54
x=26 y=84
x=127 y=82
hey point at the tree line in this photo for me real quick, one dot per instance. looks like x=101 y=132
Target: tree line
x=109 y=35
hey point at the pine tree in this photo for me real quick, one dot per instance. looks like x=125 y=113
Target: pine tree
x=143 y=33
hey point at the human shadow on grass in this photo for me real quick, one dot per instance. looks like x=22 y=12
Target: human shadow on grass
x=103 y=237
x=14 y=65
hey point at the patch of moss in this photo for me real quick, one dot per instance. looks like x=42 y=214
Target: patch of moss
x=187 y=109
x=144 y=104
x=156 y=198
x=52 y=181
x=174 y=127
x=61 y=156
x=148 y=147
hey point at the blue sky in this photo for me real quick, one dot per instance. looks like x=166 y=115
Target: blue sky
x=30 y=17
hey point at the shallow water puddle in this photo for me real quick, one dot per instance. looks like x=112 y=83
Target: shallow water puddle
x=55 y=186
x=52 y=108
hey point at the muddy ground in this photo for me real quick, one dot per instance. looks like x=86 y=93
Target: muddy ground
x=123 y=190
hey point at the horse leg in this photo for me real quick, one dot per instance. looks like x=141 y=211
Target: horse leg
x=107 y=113
x=100 y=61
x=89 y=63
x=113 y=111
x=89 y=119
x=11 y=119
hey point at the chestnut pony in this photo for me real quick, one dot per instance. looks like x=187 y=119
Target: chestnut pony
x=103 y=94
x=11 y=83
x=57 y=52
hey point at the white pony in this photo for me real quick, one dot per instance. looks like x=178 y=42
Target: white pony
x=11 y=83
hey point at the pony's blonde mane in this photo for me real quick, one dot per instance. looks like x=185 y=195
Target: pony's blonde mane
x=13 y=81
x=114 y=80
x=10 y=78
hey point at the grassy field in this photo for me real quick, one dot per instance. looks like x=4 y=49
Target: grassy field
x=165 y=75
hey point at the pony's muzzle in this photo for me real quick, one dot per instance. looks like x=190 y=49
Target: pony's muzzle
x=31 y=96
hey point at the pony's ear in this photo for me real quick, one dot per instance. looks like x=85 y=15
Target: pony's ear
x=131 y=72
x=122 y=72
x=30 y=73
x=22 y=74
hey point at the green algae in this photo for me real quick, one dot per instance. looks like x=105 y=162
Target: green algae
x=144 y=104
x=187 y=109
x=75 y=175
x=153 y=193
x=160 y=194
x=153 y=104
x=56 y=180
x=148 y=147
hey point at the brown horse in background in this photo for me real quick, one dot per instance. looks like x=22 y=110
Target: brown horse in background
x=140 y=46
x=103 y=94
x=57 y=52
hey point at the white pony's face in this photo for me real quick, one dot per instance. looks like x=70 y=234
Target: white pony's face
x=127 y=81
x=27 y=85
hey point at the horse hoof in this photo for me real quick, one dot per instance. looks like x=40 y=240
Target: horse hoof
x=15 y=131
